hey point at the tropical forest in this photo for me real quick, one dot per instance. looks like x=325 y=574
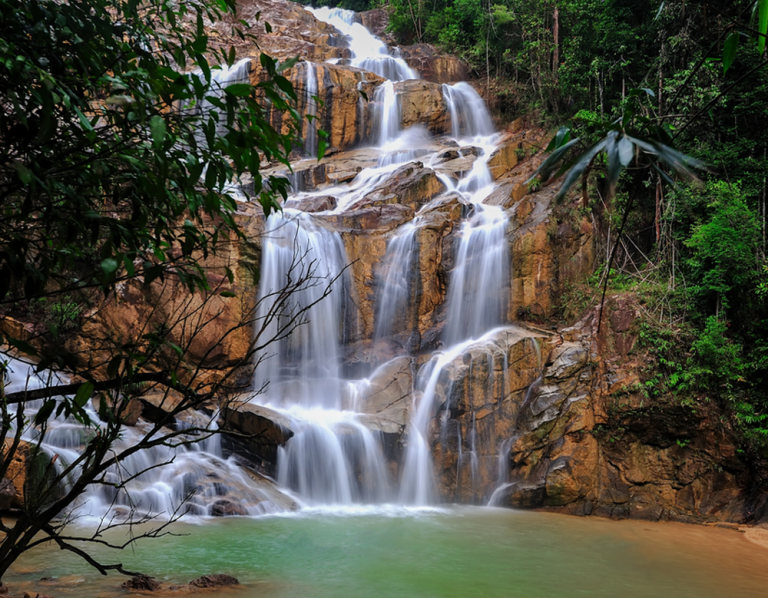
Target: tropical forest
x=383 y=298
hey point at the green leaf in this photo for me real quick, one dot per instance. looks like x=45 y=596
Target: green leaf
x=83 y=393
x=762 y=26
x=109 y=266
x=227 y=294
x=24 y=173
x=626 y=151
x=45 y=411
x=729 y=50
x=157 y=127
x=239 y=89
x=579 y=166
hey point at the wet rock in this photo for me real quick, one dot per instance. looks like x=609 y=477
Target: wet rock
x=227 y=508
x=433 y=66
x=258 y=431
x=320 y=203
x=412 y=185
x=142 y=583
x=343 y=111
x=375 y=20
x=503 y=159
x=219 y=580
x=422 y=102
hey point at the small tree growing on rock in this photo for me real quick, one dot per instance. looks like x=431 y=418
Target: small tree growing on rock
x=121 y=151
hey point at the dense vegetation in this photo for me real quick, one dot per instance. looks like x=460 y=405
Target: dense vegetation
x=693 y=252
x=121 y=139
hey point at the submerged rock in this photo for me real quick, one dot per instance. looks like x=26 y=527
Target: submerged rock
x=219 y=580
x=227 y=508
x=142 y=583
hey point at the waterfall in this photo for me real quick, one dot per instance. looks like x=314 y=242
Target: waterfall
x=332 y=458
x=310 y=101
x=368 y=51
x=304 y=367
x=392 y=305
x=386 y=113
x=193 y=479
x=478 y=288
x=469 y=114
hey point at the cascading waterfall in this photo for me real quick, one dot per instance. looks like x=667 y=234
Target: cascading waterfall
x=368 y=51
x=193 y=480
x=477 y=293
x=392 y=311
x=386 y=113
x=304 y=369
x=310 y=101
x=469 y=114
x=332 y=458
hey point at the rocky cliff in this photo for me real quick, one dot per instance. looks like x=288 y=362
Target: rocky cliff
x=525 y=416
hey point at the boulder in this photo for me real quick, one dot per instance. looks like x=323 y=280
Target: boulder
x=257 y=431
x=227 y=508
x=412 y=185
x=314 y=203
x=219 y=580
x=422 y=102
x=142 y=583
x=433 y=66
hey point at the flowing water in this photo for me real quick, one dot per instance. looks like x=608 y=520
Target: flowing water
x=193 y=479
x=364 y=530
x=334 y=459
x=396 y=552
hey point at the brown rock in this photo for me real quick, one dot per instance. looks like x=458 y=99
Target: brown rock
x=219 y=580
x=142 y=583
x=319 y=203
x=433 y=66
x=260 y=431
x=343 y=111
x=422 y=102
x=411 y=185
x=226 y=508
x=503 y=159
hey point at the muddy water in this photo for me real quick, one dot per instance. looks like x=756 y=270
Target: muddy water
x=406 y=552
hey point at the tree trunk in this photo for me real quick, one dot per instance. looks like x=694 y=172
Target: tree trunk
x=556 y=54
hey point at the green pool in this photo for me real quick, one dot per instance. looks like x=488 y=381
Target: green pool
x=459 y=552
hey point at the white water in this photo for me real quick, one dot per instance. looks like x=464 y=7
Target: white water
x=331 y=459
x=304 y=367
x=392 y=303
x=310 y=101
x=191 y=480
x=368 y=51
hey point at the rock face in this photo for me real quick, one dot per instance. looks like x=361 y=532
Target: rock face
x=422 y=102
x=433 y=66
x=563 y=425
x=343 y=112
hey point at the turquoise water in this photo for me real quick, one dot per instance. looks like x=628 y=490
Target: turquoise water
x=457 y=552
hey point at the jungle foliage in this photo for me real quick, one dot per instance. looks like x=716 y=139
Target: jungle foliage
x=648 y=90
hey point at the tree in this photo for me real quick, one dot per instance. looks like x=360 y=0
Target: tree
x=121 y=148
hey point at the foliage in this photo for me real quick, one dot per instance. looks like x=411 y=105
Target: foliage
x=123 y=138
x=114 y=151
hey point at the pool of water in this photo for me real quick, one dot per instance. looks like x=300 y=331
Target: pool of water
x=457 y=552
